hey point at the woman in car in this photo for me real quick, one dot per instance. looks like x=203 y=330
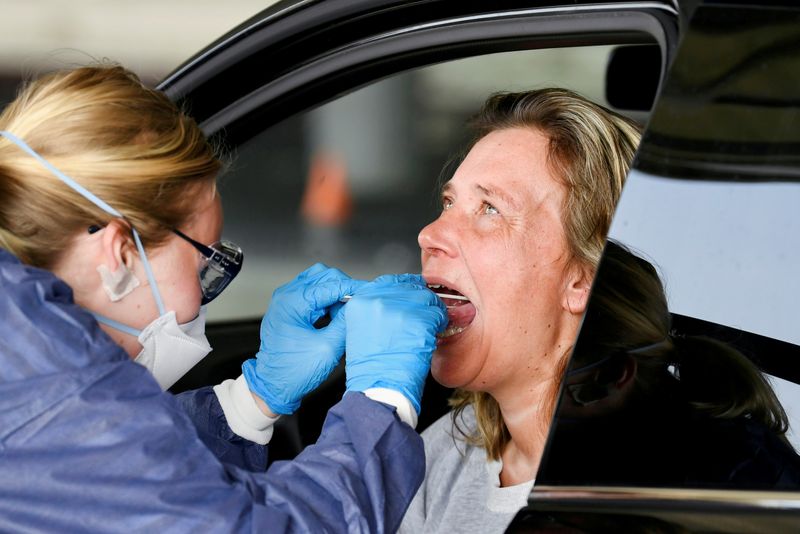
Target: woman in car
x=645 y=405
x=523 y=223
x=107 y=194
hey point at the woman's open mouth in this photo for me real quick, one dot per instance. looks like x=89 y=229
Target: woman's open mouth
x=460 y=310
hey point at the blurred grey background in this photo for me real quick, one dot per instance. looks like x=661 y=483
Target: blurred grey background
x=349 y=183
x=148 y=36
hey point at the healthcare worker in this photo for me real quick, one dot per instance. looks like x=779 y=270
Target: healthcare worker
x=109 y=249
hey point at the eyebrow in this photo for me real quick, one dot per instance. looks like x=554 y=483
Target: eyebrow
x=489 y=191
x=493 y=192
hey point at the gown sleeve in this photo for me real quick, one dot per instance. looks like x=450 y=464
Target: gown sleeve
x=203 y=408
x=90 y=443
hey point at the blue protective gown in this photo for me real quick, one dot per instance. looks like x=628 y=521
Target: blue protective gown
x=89 y=442
x=203 y=408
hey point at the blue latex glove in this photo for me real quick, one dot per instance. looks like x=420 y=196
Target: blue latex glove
x=295 y=357
x=392 y=324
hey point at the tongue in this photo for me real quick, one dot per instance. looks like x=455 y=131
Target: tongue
x=461 y=315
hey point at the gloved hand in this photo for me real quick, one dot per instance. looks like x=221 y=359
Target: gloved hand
x=392 y=324
x=294 y=357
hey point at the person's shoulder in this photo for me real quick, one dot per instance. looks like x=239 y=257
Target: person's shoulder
x=449 y=428
x=465 y=419
x=43 y=330
x=452 y=459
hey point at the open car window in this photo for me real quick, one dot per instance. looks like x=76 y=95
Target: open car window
x=351 y=182
x=337 y=148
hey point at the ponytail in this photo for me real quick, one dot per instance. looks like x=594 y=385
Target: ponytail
x=719 y=381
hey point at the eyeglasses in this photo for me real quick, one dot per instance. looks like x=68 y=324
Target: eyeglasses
x=222 y=262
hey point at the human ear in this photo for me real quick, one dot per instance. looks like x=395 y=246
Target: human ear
x=117 y=245
x=625 y=381
x=608 y=387
x=620 y=386
x=117 y=256
x=577 y=288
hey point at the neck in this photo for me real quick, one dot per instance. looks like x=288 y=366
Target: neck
x=527 y=408
x=527 y=417
x=87 y=289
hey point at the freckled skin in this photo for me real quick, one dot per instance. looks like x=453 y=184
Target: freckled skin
x=510 y=260
x=507 y=252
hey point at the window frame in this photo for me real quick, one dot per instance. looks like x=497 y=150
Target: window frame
x=331 y=73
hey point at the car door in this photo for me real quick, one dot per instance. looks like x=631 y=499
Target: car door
x=711 y=207
x=338 y=116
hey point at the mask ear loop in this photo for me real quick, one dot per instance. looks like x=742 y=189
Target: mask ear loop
x=100 y=203
x=149 y=271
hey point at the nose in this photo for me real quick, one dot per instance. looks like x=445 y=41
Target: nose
x=438 y=238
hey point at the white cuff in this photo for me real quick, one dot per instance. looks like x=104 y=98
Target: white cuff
x=405 y=411
x=244 y=416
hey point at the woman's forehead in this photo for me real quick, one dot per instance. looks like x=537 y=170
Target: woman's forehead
x=511 y=162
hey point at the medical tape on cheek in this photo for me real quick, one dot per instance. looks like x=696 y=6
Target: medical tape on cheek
x=117 y=284
x=94 y=199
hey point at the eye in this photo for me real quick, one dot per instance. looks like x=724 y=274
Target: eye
x=447 y=203
x=488 y=209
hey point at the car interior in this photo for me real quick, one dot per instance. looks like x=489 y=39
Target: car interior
x=338 y=161
x=421 y=116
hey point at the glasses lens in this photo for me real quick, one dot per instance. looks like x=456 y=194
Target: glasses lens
x=220 y=269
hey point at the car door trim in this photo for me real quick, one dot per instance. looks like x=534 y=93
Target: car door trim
x=524 y=12
x=634 y=498
x=239 y=36
x=203 y=56
x=551 y=21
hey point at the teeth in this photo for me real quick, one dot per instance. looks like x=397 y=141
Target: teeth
x=451 y=331
x=435 y=286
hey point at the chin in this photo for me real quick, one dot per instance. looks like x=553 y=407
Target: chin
x=449 y=370
x=444 y=379
x=457 y=360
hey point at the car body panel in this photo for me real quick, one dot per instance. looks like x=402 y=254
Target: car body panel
x=709 y=202
x=720 y=92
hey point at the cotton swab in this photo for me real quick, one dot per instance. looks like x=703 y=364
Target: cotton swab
x=440 y=295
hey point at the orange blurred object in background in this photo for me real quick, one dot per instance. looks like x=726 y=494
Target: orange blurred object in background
x=327 y=200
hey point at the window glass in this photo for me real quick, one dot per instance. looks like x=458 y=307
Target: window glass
x=352 y=182
x=736 y=267
x=686 y=371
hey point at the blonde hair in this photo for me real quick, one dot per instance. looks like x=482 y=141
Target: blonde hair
x=126 y=143
x=590 y=149
x=628 y=315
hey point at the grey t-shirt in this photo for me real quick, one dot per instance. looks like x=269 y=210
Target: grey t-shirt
x=461 y=491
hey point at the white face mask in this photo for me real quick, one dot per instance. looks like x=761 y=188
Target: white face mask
x=170 y=350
